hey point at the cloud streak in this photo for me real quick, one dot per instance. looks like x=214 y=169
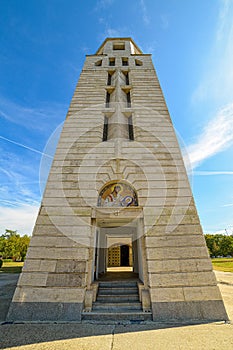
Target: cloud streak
x=24 y=146
x=210 y=173
x=145 y=16
x=223 y=18
x=26 y=116
x=217 y=80
x=21 y=218
x=102 y=4
x=216 y=137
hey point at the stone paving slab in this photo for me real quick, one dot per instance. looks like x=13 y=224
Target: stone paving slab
x=224 y=277
x=8 y=282
x=87 y=337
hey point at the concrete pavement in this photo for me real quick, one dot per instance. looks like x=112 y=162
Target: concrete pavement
x=76 y=336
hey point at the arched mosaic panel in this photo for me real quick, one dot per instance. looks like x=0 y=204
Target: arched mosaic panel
x=117 y=194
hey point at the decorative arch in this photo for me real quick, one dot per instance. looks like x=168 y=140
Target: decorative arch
x=117 y=194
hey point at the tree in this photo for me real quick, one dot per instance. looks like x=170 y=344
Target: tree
x=2 y=245
x=13 y=246
x=23 y=246
x=219 y=245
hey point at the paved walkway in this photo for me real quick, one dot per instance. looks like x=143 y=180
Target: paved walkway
x=150 y=336
x=8 y=282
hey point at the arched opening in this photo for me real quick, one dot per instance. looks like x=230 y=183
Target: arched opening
x=119 y=232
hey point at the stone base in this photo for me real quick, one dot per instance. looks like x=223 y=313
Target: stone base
x=210 y=310
x=44 y=311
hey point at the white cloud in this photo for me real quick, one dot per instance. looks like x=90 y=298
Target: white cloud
x=110 y=32
x=102 y=4
x=145 y=16
x=113 y=32
x=24 y=146
x=150 y=47
x=165 y=21
x=19 y=181
x=218 y=232
x=210 y=173
x=223 y=17
x=216 y=137
x=26 y=115
x=226 y=231
x=217 y=80
x=20 y=218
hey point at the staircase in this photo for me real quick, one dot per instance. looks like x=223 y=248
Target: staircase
x=117 y=301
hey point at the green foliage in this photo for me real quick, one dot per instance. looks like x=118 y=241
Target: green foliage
x=13 y=246
x=12 y=266
x=219 y=245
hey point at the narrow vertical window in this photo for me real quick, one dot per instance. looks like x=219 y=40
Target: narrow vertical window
x=105 y=129
x=126 y=78
x=130 y=128
x=128 y=100
x=125 y=61
x=112 y=61
x=107 y=100
x=109 y=79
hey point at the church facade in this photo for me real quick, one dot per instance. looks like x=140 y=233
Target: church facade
x=117 y=196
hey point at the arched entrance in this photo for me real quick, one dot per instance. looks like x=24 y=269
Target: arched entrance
x=119 y=231
x=123 y=237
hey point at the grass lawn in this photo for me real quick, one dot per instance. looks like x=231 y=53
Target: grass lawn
x=223 y=264
x=219 y=264
x=11 y=267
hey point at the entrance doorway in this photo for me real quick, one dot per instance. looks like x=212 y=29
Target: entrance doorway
x=120 y=255
x=120 y=232
x=124 y=255
x=118 y=249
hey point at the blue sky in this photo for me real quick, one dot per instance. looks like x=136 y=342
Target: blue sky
x=43 y=44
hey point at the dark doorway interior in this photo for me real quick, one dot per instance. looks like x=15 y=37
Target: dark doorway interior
x=124 y=255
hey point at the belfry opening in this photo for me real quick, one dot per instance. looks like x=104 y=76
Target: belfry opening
x=117 y=236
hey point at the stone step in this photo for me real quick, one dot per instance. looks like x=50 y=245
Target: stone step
x=117 y=298
x=117 y=316
x=117 y=301
x=117 y=291
x=116 y=307
x=117 y=311
x=117 y=284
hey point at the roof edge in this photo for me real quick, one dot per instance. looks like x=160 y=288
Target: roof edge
x=118 y=38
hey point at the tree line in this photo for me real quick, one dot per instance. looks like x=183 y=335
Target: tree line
x=219 y=245
x=13 y=246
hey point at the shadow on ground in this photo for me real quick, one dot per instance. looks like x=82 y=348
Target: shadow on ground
x=15 y=335
x=36 y=335
x=8 y=283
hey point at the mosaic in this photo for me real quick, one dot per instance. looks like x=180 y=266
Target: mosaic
x=117 y=194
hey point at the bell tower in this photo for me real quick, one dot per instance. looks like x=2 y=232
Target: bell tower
x=117 y=197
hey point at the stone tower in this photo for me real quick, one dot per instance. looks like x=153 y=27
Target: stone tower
x=117 y=195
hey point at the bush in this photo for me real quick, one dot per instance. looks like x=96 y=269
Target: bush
x=13 y=246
